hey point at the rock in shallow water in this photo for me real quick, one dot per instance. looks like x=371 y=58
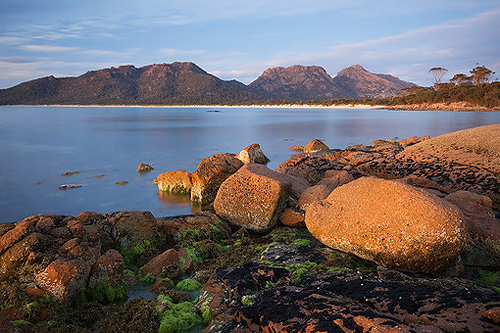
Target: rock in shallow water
x=391 y=223
x=211 y=172
x=252 y=154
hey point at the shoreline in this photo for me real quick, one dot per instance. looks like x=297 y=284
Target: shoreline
x=406 y=107
x=289 y=106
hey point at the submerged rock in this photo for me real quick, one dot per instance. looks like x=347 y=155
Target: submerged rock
x=391 y=223
x=69 y=186
x=143 y=167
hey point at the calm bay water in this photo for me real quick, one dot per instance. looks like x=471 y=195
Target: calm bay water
x=38 y=144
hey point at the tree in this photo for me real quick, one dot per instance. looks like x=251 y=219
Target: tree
x=458 y=79
x=437 y=74
x=481 y=75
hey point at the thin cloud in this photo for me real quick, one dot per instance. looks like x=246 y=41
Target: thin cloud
x=47 y=48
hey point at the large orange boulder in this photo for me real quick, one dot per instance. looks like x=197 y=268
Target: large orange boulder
x=254 y=197
x=391 y=223
x=174 y=181
x=211 y=172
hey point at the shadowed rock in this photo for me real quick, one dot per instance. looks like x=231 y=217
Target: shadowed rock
x=483 y=246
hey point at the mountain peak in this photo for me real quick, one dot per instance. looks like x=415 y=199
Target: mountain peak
x=297 y=83
x=360 y=82
x=352 y=70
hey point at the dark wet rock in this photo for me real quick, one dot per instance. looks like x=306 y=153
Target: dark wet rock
x=341 y=301
x=286 y=255
x=254 y=197
x=360 y=305
x=211 y=173
x=143 y=167
x=228 y=285
x=252 y=154
x=391 y=223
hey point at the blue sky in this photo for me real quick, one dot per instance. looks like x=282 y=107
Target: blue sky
x=240 y=39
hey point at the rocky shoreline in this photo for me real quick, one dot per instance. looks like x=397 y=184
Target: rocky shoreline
x=396 y=236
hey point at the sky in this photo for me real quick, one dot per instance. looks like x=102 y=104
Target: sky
x=240 y=39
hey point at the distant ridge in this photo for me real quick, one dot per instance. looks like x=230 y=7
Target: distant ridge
x=185 y=83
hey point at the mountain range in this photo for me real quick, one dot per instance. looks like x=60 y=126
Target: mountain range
x=187 y=84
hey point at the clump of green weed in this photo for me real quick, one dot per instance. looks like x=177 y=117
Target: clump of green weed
x=301 y=242
x=102 y=293
x=489 y=278
x=188 y=285
x=193 y=254
x=298 y=270
x=177 y=317
x=130 y=257
x=206 y=312
x=248 y=300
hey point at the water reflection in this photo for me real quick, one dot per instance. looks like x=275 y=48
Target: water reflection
x=179 y=200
